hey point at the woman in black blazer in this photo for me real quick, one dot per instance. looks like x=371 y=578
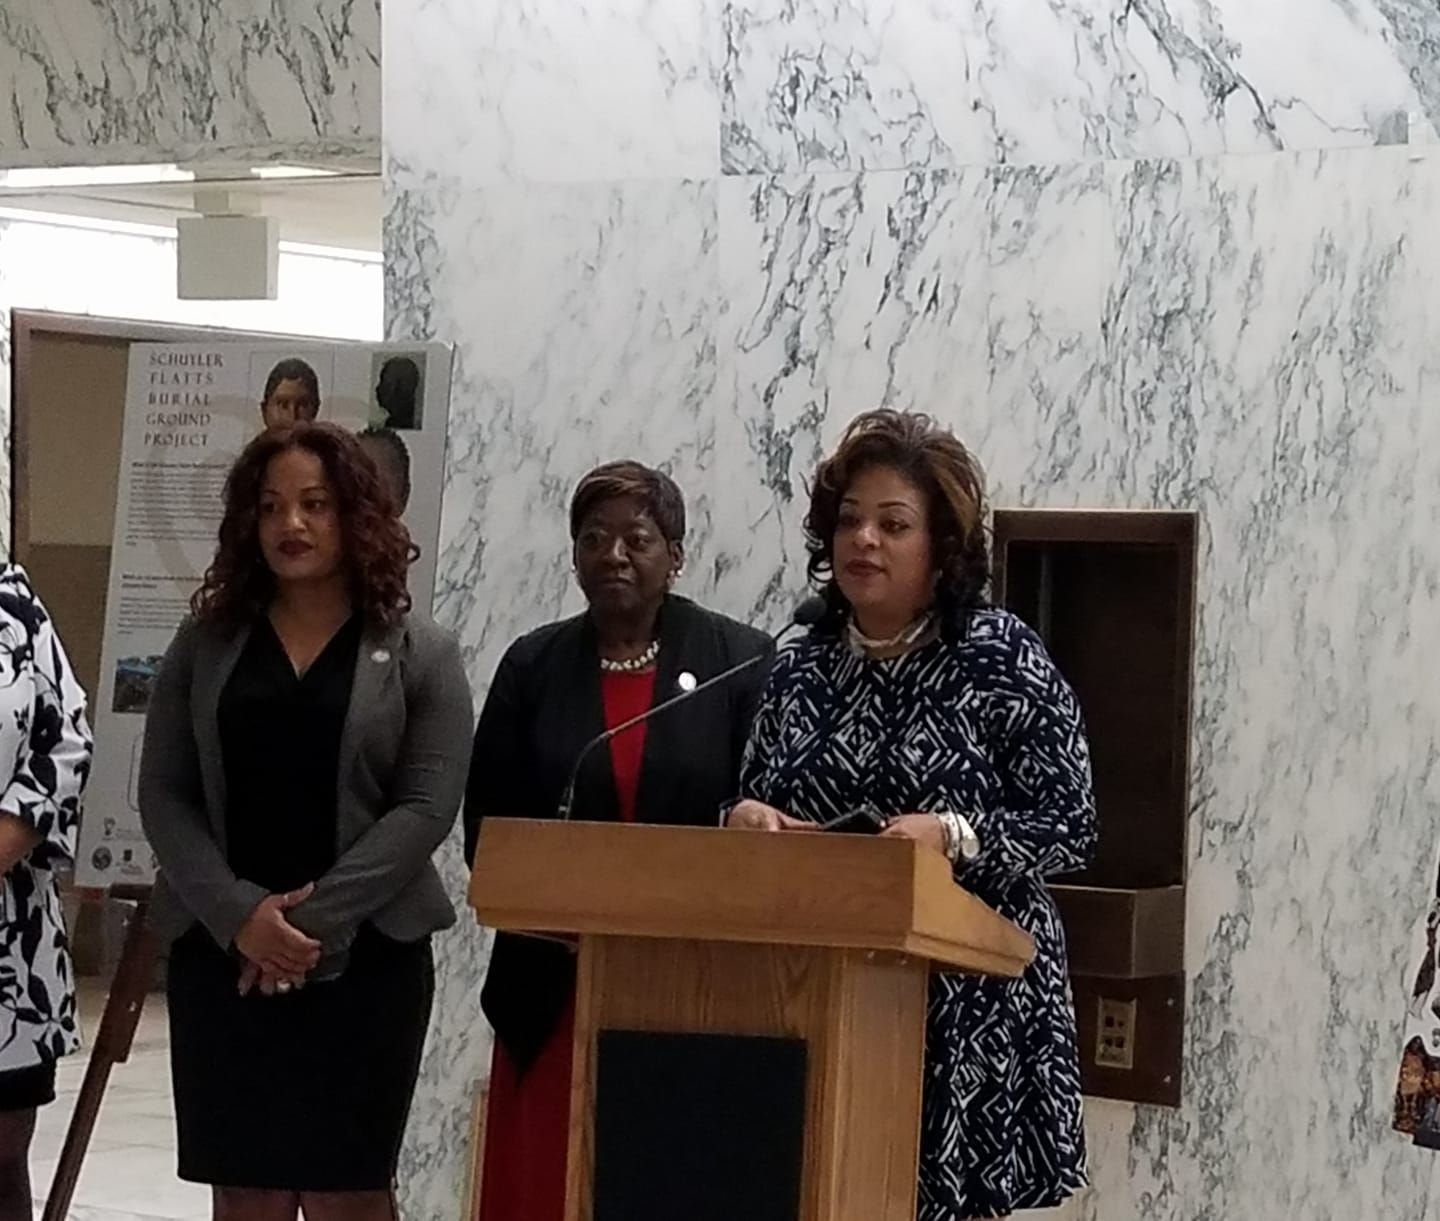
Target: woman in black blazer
x=556 y=689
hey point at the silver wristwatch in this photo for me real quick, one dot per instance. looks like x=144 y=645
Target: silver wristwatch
x=960 y=841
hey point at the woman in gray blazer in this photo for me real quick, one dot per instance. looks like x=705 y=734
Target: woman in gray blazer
x=305 y=753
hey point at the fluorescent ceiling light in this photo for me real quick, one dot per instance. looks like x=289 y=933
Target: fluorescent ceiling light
x=105 y=224
x=292 y=171
x=69 y=220
x=91 y=176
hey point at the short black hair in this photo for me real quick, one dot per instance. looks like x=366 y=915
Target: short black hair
x=656 y=491
x=292 y=369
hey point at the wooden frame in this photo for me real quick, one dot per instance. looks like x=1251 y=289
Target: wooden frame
x=1148 y=527
x=1125 y=919
x=475 y=1180
x=26 y=326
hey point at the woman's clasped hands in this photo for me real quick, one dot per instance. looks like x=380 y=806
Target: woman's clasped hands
x=278 y=956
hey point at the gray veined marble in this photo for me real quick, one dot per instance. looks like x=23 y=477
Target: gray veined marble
x=584 y=323
x=88 y=81
x=889 y=84
x=708 y=237
x=1250 y=337
x=575 y=92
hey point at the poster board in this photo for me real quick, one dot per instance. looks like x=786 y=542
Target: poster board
x=189 y=410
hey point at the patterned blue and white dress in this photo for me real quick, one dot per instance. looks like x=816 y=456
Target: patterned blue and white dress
x=981 y=723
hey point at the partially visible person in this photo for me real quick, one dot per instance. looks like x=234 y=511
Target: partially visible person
x=390 y=453
x=305 y=754
x=945 y=717
x=1427 y=1134
x=636 y=645
x=1411 y=1092
x=292 y=394
x=397 y=392
x=45 y=741
x=1424 y=983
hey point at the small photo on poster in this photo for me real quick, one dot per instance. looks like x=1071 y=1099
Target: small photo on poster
x=399 y=382
x=289 y=385
x=134 y=681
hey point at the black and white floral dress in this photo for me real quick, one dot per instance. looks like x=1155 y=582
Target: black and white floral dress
x=980 y=723
x=45 y=743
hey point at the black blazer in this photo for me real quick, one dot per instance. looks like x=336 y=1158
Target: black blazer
x=544 y=705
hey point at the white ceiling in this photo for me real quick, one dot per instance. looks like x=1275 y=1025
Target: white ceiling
x=343 y=211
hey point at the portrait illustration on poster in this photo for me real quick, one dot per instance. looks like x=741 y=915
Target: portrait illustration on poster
x=189 y=411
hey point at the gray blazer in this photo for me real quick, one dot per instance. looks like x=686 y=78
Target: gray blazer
x=404 y=753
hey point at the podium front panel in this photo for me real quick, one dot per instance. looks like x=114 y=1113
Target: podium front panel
x=859 y=1015
x=708 y=1127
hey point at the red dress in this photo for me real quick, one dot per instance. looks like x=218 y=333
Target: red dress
x=527 y=1129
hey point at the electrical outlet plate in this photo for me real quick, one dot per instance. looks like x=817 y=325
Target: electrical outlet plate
x=1115 y=1034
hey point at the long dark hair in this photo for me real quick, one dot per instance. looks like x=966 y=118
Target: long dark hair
x=378 y=550
x=933 y=459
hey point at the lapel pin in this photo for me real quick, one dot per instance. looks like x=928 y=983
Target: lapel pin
x=686 y=681
x=380 y=655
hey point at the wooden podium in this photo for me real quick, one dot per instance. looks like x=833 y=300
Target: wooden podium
x=825 y=939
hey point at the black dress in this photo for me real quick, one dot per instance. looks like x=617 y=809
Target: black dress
x=308 y=1091
x=544 y=704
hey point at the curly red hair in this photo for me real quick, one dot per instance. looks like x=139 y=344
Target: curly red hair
x=378 y=547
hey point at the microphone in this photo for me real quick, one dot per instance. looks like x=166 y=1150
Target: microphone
x=810 y=611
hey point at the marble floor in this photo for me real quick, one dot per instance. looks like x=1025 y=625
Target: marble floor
x=129 y=1173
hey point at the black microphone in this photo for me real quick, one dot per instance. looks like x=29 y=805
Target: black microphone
x=807 y=614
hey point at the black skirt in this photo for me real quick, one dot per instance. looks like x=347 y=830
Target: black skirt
x=25 y=1089
x=303 y=1092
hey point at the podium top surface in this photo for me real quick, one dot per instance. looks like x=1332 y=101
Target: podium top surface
x=710 y=884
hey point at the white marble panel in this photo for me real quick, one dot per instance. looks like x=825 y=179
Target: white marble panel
x=974 y=295
x=841 y=293
x=889 y=84
x=580 y=91
x=1269 y=367
x=1246 y=336
x=584 y=318
x=86 y=81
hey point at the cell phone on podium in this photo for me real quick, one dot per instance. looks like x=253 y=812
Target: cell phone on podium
x=861 y=821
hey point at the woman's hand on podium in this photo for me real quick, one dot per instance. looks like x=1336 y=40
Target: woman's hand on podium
x=757 y=816
x=922 y=828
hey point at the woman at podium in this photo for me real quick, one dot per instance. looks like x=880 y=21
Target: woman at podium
x=919 y=708
x=556 y=690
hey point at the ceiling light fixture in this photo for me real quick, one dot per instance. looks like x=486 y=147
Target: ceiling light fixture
x=61 y=177
x=292 y=171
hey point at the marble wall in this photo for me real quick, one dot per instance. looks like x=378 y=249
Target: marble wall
x=1139 y=255
x=96 y=81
